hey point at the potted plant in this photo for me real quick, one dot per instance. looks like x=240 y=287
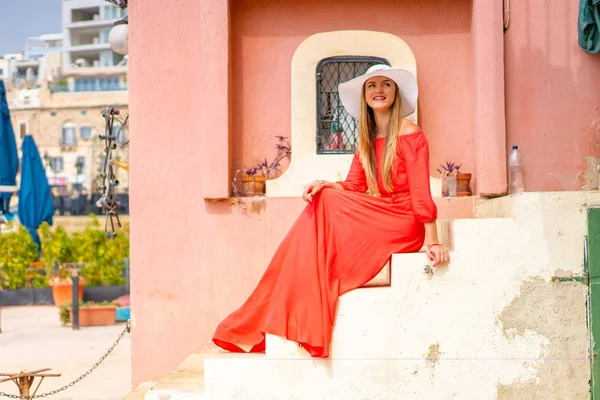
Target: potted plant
x=20 y=280
x=449 y=172
x=100 y=261
x=253 y=180
x=457 y=183
x=103 y=261
x=90 y=313
x=463 y=184
x=57 y=250
x=61 y=282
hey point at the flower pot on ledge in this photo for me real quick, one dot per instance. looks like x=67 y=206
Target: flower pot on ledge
x=463 y=184
x=253 y=185
x=62 y=292
x=95 y=315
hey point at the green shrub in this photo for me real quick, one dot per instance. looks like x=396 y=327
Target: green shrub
x=57 y=250
x=56 y=245
x=17 y=252
x=100 y=258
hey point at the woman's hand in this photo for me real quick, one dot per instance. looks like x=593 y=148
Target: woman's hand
x=437 y=254
x=311 y=189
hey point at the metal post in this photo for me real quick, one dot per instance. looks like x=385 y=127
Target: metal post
x=126 y=272
x=75 y=302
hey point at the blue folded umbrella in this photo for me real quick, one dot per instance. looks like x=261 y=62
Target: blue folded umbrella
x=35 y=199
x=9 y=160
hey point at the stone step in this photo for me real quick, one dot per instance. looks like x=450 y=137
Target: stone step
x=173 y=394
x=185 y=382
x=485 y=323
x=489 y=325
x=368 y=320
x=303 y=379
x=379 y=322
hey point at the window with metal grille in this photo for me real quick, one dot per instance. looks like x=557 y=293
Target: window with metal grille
x=337 y=131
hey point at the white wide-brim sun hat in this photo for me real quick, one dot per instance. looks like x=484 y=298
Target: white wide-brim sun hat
x=351 y=90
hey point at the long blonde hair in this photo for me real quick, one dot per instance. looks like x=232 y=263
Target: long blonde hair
x=367 y=133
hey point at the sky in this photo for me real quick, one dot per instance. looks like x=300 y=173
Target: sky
x=20 y=19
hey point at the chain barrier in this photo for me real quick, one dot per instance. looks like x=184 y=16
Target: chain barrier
x=89 y=371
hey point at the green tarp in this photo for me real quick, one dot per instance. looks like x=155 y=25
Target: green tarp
x=589 y=25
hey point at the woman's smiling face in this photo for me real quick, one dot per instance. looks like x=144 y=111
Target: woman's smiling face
x=380 y=93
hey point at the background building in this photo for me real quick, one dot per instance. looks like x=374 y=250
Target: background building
x=89 y=64
x=57 y=88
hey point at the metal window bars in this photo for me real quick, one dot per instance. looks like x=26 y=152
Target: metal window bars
x=337 y=131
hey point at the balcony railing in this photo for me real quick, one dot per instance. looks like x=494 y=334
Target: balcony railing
x=66 y=89
x=23 y=83
x=106 y=89
x=59 y=88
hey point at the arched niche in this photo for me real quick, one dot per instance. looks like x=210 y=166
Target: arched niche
x=306 y=165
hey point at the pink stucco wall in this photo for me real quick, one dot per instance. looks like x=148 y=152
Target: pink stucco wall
x=198 y=109
x=192 y=260
x=552 y=96
x=265 y=34
x=488 y=113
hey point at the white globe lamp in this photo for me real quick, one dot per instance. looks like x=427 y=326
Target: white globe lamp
x=119 y=36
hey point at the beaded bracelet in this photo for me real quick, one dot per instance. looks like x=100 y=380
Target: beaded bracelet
x=322 y=184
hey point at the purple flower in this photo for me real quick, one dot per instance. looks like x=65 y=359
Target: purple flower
x=449 y=167
x=283 y=150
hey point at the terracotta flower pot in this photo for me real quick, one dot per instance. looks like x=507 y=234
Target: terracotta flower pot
x=63 y=292
x=463 y=184
x=95 y=315
x=253 y=185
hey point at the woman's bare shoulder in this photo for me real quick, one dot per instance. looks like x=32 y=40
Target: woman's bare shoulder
x=409 y=127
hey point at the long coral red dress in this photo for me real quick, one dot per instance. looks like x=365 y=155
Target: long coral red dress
x=340 y=242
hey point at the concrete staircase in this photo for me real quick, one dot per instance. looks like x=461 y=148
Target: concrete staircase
x=503 y=320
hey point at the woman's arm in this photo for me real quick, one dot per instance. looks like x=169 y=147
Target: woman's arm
x=431 y=234
x=316 y=186
x=415 y=151
x=435 y=251
x=355 y=181
x=332 y=185
x=416 y=157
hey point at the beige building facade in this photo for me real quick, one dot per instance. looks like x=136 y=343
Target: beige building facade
x=66 y=128
x=57 y=95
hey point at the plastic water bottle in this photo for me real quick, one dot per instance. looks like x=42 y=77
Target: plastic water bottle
x=515 y=169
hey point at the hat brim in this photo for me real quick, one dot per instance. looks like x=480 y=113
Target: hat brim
x=350 y=91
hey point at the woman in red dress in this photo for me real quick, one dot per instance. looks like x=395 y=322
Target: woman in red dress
x=349 y=229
